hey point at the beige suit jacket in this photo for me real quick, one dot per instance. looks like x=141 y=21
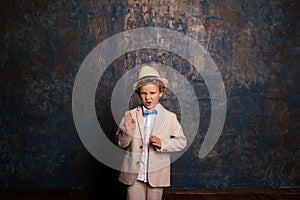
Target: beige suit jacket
x=168 y=129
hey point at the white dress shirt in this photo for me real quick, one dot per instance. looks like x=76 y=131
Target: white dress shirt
x=148 y=121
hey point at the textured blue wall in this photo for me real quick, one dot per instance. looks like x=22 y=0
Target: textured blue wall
x=255 y=45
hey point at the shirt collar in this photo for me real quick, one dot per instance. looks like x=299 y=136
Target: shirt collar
x=155 y=108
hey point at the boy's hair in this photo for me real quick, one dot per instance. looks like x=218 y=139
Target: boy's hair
x=160 y=85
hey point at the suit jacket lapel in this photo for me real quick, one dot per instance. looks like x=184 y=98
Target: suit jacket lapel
x=159 y=120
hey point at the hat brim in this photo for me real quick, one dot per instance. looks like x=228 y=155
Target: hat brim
x=163 y=80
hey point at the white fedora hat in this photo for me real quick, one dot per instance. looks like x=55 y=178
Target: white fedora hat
x=147 y=72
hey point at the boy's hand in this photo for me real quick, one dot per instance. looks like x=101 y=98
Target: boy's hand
x=129 y=122
x=155 y=141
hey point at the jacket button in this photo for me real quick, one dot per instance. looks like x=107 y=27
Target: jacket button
x=141 y=147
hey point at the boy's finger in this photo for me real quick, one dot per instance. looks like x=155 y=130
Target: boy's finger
x=128 y=115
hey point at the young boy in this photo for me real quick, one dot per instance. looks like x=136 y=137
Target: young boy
x=148 y=133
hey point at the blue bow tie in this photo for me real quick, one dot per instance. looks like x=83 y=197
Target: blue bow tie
x=153 y=112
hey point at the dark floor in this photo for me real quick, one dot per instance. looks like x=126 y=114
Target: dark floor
x=169 y=194
x=233 y=194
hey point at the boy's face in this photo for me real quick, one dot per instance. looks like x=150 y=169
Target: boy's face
x=149 y=95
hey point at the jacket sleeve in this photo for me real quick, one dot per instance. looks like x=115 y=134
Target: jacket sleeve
x=176 y=140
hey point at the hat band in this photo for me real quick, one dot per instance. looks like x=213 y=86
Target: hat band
x=146 y=77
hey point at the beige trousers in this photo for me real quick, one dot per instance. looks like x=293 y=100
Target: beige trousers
x=143 y=191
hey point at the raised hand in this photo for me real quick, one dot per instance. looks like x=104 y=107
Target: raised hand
x=129 y=122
